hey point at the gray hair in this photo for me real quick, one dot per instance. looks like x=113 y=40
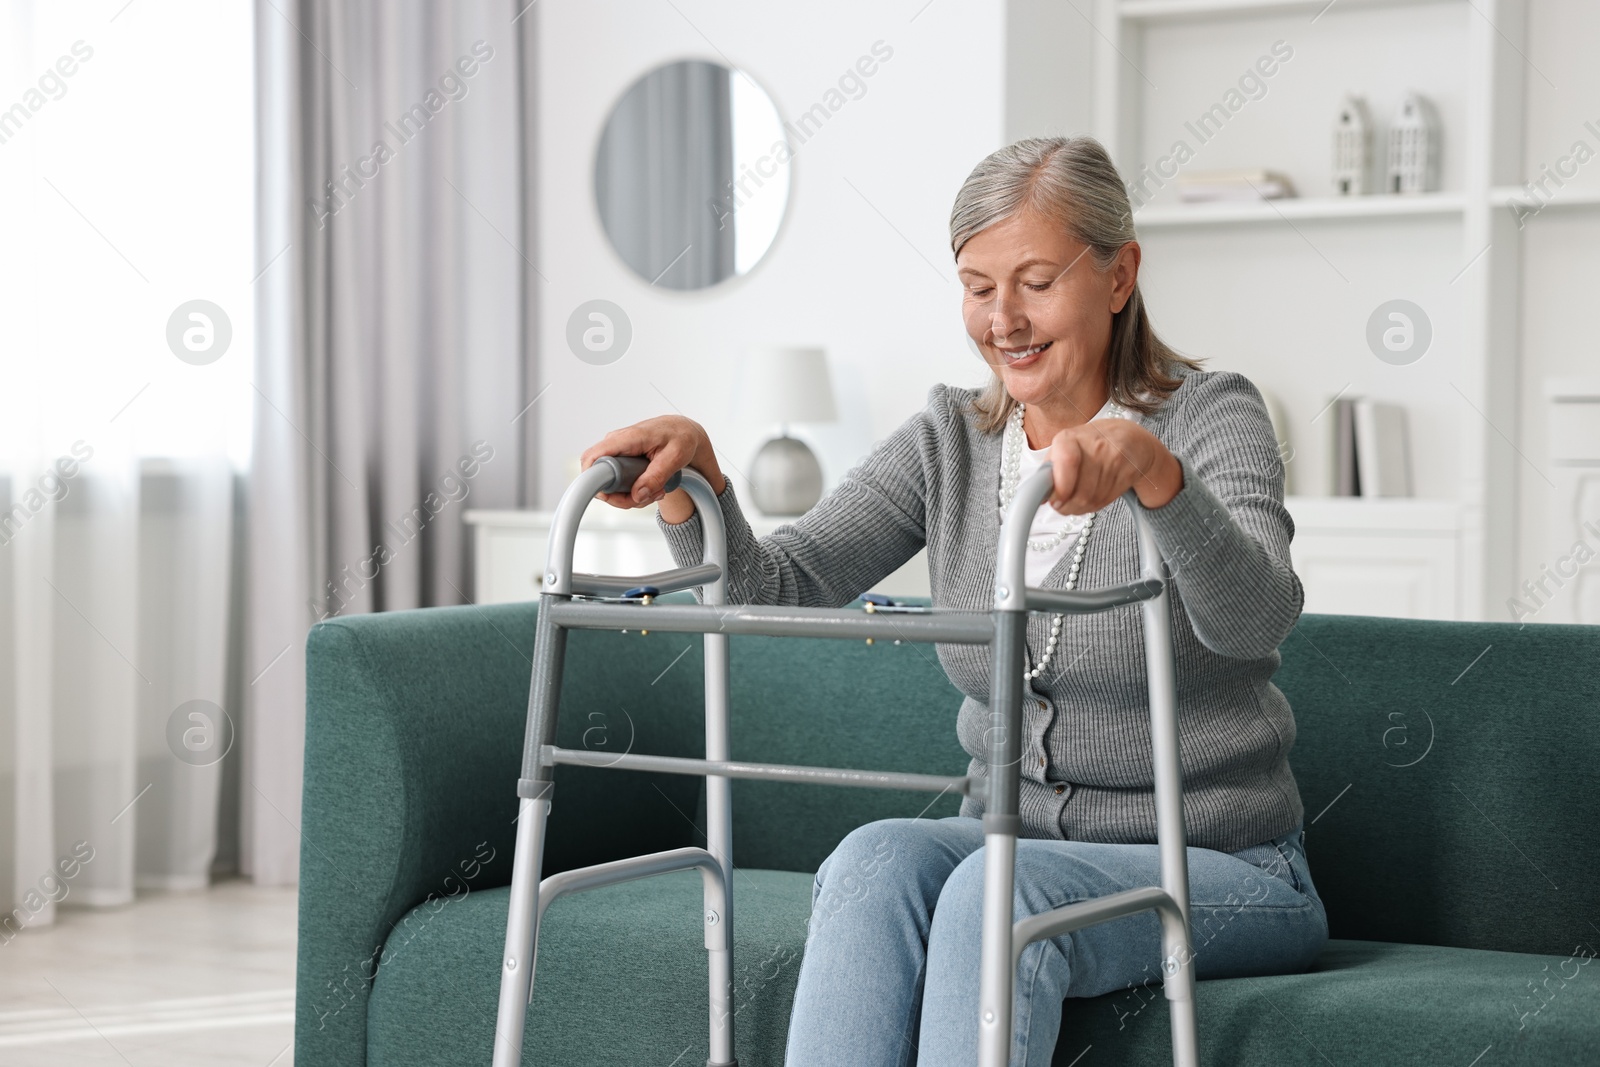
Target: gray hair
x=1072 y=181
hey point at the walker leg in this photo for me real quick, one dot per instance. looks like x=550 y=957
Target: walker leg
x=997 y=979
x=719 y=842
x=516 y=977
x=1001 y=825
x=534 y=791
x=1171 y=837
x=1177 y=969
x=1185 y=1039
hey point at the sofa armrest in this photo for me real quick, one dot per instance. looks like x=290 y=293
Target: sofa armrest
x=414 y=732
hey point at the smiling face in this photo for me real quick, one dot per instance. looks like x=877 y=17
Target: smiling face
x=1039 y=311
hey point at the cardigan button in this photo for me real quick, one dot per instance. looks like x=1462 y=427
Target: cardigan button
x=1061 y=789
x=1041 y=761
x=1043 y=706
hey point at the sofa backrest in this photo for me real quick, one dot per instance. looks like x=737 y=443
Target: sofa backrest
x=834 y=703
x=1448 y=771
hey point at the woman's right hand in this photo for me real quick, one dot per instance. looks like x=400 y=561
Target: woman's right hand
x=670 y=443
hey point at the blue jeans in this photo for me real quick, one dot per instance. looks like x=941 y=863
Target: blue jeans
x=890 y=972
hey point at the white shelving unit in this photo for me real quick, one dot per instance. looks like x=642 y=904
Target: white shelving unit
x=1297 y=208
x=1215 y=270
x=1507 y=195
x=1160 y=10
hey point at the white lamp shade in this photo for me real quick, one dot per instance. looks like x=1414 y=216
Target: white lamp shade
x=787 y=385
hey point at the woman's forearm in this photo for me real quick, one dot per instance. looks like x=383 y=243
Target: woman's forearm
x=1163 y=481
x=870 y=524
x=1231 y=567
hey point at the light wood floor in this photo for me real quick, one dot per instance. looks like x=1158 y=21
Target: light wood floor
x=175 y=979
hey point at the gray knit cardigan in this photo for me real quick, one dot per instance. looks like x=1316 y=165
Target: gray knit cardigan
x=1086 y=758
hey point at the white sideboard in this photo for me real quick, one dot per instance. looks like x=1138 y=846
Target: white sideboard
x=1378 y=556
x=1353 y=555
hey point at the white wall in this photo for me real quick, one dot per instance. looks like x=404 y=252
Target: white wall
x=1049 y=73
x=1560 y=268
x=862 y=262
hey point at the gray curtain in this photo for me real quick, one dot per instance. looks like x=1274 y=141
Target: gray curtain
x=663 y=173
x=395 y=359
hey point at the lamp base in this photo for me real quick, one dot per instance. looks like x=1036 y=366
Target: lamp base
x=785 y=478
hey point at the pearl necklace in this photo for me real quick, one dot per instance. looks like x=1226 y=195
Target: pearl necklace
x=1010 y=478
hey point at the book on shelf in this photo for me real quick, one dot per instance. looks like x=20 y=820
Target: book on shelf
x=1345 y=472
x=1251 y=183
x=1371 y=453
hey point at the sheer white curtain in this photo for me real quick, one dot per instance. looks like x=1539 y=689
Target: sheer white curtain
x=126 y=156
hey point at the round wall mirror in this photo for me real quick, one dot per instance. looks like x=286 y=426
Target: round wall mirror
x=692 y=174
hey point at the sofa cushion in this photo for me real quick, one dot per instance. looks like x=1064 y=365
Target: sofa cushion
x=621 y=976
x=1363 y=1002
x=622 y=980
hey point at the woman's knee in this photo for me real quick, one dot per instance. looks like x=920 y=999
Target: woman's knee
x=963 y=890
x=902 y=852
x=1040 y=882
x=958 y=917
x=1313 y=939
x=861 y=856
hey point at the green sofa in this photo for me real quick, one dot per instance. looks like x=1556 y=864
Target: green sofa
x=1448 y=772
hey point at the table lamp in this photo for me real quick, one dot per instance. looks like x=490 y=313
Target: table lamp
x=786 y=385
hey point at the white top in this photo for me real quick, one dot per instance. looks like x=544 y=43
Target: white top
x=1048 y=522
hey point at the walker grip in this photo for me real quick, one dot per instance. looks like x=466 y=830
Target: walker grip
x=625 y=470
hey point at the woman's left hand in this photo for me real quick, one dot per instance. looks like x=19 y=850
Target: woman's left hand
x=1097 y=462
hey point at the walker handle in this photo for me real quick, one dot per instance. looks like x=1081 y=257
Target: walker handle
x=625 y=470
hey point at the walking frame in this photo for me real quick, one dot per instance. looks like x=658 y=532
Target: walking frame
x=1003 y=629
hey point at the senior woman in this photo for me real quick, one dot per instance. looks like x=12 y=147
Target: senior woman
x=1044 y=245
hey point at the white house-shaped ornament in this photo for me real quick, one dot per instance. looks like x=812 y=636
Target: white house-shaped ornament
x=1352 y=148
x=1414 y=147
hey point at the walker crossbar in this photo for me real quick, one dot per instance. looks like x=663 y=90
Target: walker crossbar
x=952 y=627
x=772 y=772
x=935 y=626
x=1003 y=629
